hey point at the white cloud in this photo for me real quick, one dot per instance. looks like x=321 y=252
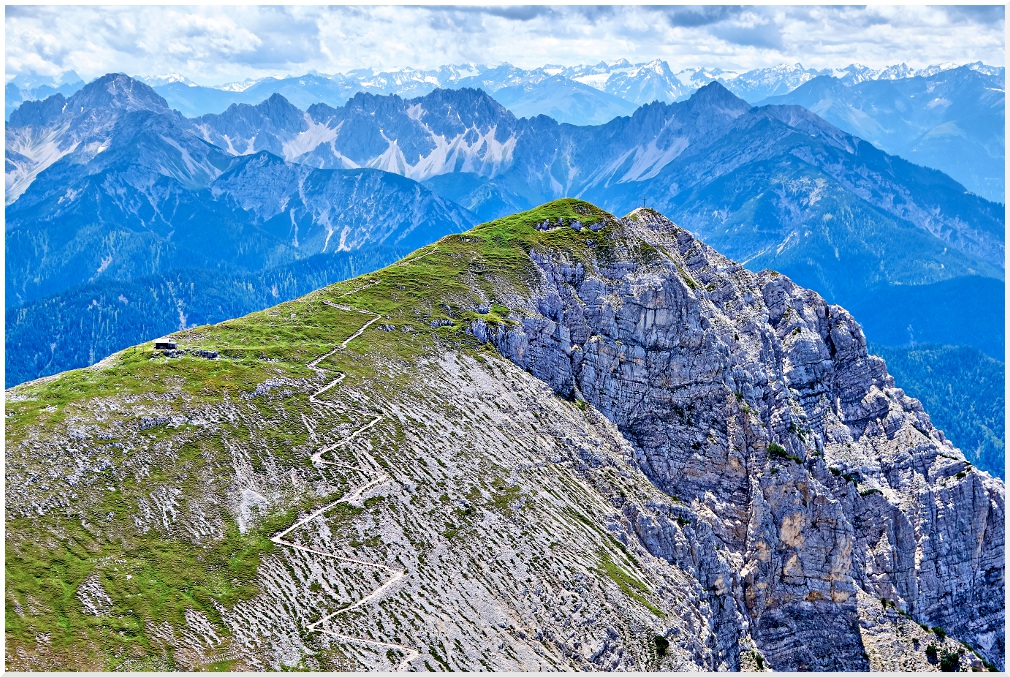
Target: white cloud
x=217 y=44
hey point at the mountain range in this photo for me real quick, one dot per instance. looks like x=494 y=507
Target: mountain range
x=952 y=120
x=26 y=87
x=112 y=186
x=558 y=440
x=116 y=185
x=944 y=116
x=633 y=84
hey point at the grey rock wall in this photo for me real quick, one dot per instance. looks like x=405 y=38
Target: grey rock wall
x=811 y=478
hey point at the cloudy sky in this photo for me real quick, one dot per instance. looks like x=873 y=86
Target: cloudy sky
x=213 y=45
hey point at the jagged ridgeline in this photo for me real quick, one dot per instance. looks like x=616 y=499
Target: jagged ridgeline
x=558 y=440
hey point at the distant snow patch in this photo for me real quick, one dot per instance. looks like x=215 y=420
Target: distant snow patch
x=313 y=136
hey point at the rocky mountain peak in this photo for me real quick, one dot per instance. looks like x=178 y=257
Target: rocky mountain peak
x=117 y=91
x=277 y=101
x=276 y=111
x=38 y=113
x=100 y=102
x=557 y=400
x=704 y=344
x=715 y=95
x=822 y=85
x=657 y=67
x=368 y=102
x=470 y=101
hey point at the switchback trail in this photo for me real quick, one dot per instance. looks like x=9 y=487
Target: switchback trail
x=394 y=575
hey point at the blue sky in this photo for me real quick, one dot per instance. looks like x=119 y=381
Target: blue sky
x=212 y=45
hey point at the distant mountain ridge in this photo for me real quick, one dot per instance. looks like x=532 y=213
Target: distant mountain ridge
x=663 y=153
x=22 y=88
x=455 y=132
x=952 y=120
x=636 y=84
x=957 y=134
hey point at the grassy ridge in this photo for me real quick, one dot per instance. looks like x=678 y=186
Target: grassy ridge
x=427 y=301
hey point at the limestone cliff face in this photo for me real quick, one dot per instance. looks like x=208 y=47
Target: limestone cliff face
x=811 y=480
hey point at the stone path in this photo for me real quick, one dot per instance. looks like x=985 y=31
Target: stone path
x=394 y=575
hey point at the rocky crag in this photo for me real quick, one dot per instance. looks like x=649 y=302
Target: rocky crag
x=755 y=399
x=559 y=440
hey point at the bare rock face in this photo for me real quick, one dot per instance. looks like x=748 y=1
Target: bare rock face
x=809 y=478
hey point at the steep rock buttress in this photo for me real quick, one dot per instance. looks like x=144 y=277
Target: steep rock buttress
x=755 y=403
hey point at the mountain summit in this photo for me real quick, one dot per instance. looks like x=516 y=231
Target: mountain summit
x=560 y=439
x=715 y=94
x=41 y=133
x=117 y=91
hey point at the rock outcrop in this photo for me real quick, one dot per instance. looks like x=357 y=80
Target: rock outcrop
x=755 y=403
